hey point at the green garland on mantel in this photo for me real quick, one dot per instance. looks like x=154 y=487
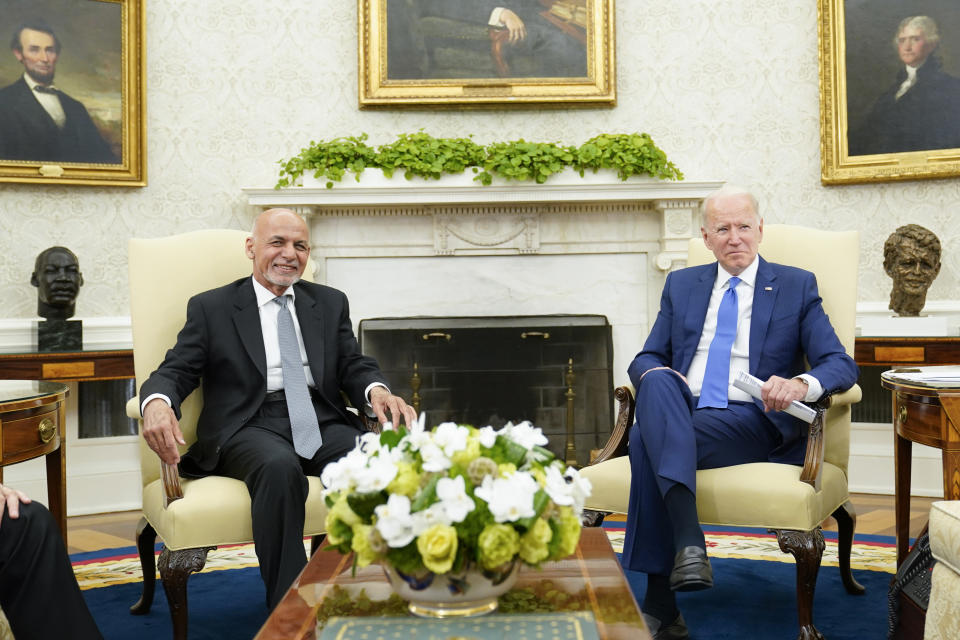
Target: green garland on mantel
x=422 y=155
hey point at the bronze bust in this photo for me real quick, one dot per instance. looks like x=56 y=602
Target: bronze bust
x=911 y=256
x=57 y=277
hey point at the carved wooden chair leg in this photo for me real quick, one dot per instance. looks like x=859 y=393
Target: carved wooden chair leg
x=175 y=568
x=146 y=539
x=591 y=518
x=315 y=543
x=846 y=519
x=807 y=548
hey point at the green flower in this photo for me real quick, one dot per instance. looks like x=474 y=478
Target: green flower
x=465 y=456
x=481 y=467
x=506 y=468
x=438 y=547
x=534 y=543
x=339 y=522
x=568 y=532
x=406 y=482
x=361 y=544
x=497 y=543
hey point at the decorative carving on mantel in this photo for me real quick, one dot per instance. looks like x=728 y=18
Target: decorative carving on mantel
x=495 y=232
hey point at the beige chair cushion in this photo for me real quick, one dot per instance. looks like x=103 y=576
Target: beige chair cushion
x=761 y=494
x=945 y=533
x=943 y=614
x=215 y=511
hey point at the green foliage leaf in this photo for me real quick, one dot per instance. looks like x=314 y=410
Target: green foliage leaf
x=363 y=504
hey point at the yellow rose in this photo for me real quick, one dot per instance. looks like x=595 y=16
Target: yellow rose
x=497 y=543
x=406 y=482
x=533 y=544
x=438 y=547
x=339 y=521
x=361 y=545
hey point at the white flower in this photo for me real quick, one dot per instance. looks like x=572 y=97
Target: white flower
x=380 y=471
x=511 y=498
x=434 y=458
x=369 y=443
x=345 y=472
x=394 y=521
x=453 y=496
x=525 y=434
x=487 y=436
x=568 y=489
x=415 y=440
x=434 y=514
x=451 y=437
x=420 y=424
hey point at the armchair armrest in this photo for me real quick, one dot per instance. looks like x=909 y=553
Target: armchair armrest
x=169 y=475
x=813 y=460
x=617 y=443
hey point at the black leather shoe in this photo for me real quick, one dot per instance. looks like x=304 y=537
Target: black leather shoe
x=676 y=630
x=691 y=570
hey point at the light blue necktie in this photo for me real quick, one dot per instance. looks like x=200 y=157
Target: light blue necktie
x=303 y=418
x=716 y=377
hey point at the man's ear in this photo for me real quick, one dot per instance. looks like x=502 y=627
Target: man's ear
x=248 y=248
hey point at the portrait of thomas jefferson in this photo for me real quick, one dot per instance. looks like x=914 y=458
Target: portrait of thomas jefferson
x=60 y=96
x=917 y=111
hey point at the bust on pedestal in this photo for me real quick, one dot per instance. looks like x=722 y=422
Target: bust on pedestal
x=57 y=277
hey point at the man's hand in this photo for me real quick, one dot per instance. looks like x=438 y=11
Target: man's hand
x=777 y=393
x=161 y=430
x=10 y=500
x=514 y=25
x=383 y=401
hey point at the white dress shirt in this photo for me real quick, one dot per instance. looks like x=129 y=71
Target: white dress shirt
x=740 y=353
x=49 y=101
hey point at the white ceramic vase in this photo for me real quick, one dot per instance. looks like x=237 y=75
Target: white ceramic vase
x=472 y=592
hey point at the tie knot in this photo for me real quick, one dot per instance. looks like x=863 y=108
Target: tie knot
x=282 y=301
x=733 y=282
x=42 y=89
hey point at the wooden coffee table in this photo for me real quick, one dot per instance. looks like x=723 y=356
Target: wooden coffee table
x=593 y=571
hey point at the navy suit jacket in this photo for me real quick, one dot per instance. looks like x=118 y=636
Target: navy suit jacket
x=788 y=324
x=221 y=345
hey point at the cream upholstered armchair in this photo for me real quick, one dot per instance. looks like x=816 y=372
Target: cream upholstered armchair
x=788 y=499
x=191 y=517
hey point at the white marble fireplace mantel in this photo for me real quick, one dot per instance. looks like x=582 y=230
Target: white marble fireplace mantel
x=404 y=248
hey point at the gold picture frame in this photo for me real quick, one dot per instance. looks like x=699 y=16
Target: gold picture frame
x=862 y=138
x=98 y=81
x=446 y=53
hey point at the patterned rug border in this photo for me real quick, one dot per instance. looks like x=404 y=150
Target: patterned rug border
x=111 y=567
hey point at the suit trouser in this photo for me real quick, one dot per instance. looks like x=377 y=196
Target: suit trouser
x=668 y=442
x=38 y=591
x=262 y=455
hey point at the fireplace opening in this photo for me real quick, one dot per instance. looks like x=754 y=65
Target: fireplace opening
x=555 y=371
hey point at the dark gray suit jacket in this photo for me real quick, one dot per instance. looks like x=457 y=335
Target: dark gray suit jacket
x=221 y=345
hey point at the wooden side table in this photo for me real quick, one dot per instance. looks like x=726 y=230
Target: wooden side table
x=32 y=418
x=928 y=413
x=80 y=366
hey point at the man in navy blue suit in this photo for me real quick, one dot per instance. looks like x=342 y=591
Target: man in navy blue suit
x=688 y=416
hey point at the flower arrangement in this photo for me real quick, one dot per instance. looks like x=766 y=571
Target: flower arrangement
x=456 y=497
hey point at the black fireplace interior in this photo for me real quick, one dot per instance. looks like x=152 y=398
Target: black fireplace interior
x=491 y=370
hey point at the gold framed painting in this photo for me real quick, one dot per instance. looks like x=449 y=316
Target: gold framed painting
x=72 y=92
x=889 y=90
x=486 y=53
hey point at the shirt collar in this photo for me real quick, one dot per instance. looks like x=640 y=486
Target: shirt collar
x=264 y=295
x=33 y=84
x=747 y=276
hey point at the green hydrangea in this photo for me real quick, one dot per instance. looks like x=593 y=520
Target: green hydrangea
x=340 y=521
x=465 y=456
x=438 y=547
x=361 y=544
x=568 y=532
x=497 y=544
x=534 y=544
x=406 y=482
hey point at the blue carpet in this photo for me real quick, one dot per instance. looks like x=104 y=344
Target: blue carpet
x=751 y=599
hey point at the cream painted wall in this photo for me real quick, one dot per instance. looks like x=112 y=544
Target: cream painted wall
x=727 y=88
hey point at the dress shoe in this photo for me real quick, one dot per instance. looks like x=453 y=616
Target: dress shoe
x=676 y=630
x=691 y=570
